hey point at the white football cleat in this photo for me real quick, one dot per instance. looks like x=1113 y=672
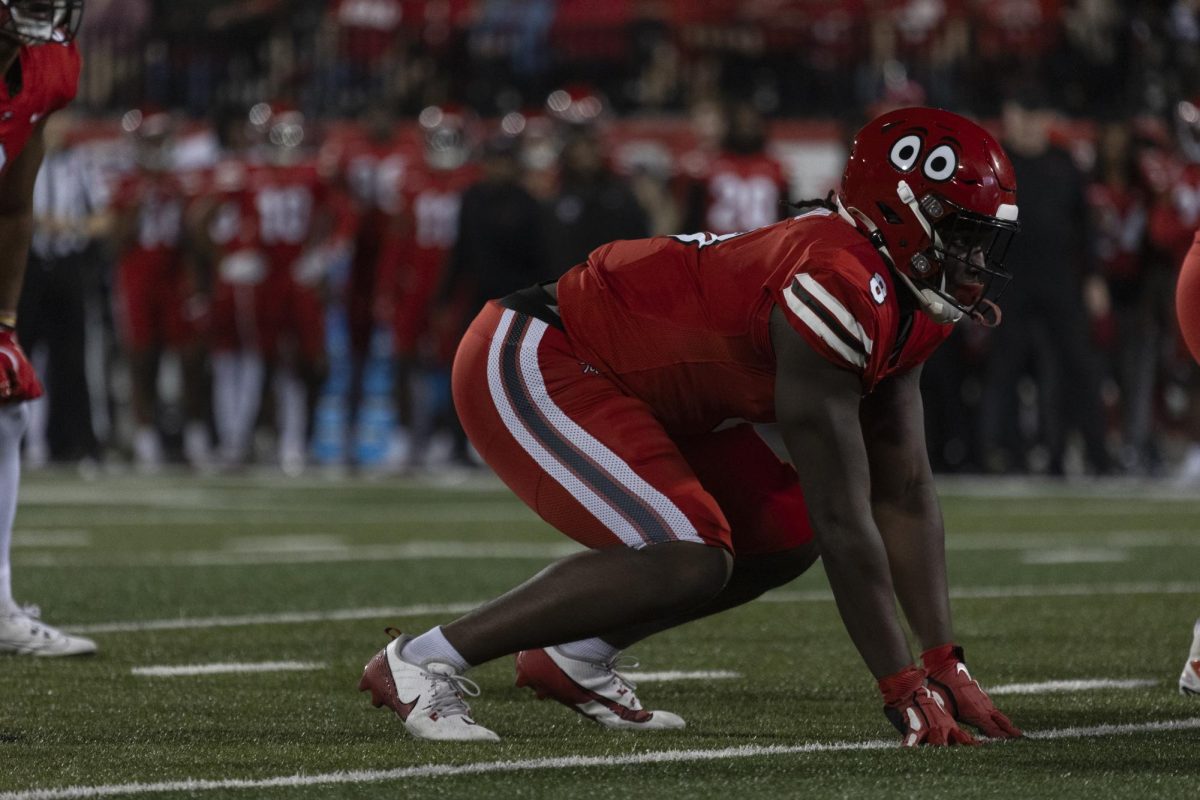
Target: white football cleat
x=23 y=633
x=427 y=697
x=1189 y=681
x=595 y=690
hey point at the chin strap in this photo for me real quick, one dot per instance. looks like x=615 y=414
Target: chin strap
x=930 y=301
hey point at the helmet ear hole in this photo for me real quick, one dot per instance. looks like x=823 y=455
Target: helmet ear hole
x=889 y=215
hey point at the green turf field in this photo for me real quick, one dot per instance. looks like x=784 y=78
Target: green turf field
x=1065 y=585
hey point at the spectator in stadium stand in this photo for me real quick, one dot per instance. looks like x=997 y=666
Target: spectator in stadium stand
x=593 y=205
x=1132 y=334
x=928 y=41
x=71 y=216
x=499 y=247
x=743 y=187
x=1046 y=317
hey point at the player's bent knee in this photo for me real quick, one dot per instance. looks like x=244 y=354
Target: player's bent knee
x=767 y=571
x=688 y=573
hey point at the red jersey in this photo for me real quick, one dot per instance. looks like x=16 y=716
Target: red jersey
x=1120 y=229
x=427 y=226
x=682 y=323
x=50 y=78
x=743 y=192
x=157 y=201
x=286 y=203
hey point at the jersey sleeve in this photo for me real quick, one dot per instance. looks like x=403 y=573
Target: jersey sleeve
x=835 y=315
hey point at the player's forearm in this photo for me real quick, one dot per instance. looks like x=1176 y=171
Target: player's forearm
x=857 y=567
x=16 y=232
x=914 y=536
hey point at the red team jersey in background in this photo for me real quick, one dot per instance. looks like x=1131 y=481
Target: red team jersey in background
x=152 y=284
x=413 y=258
x=742 y=192
x=1120 y=226
x=682 y=323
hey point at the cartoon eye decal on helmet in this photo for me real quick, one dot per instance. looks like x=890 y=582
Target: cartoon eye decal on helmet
x=941 y=163
x=905 y=152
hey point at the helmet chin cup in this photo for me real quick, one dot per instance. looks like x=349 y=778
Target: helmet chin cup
x=932 y=303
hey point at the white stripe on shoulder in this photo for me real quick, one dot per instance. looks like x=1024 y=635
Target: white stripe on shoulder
x=835 y=307
x=818 y=326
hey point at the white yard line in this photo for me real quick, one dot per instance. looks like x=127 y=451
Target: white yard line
x=1055 y=556
x=1015 y=592
x=285 y=618
x=51 y=537
x=699 y=675
x=1084 y=685
x=315 y=554
x=560 y=763
x=812 y=596
x=188 y=670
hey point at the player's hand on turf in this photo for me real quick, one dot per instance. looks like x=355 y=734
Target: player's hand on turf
x=18 y=382
x=918 y=713
x=962 y=695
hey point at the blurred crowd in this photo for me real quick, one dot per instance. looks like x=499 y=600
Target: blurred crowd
x=265 y=226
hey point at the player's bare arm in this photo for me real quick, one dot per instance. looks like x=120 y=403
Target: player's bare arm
x=817 y=407
x=906 y=509
x=905 y=506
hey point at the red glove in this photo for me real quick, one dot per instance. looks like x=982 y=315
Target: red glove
x=961 y=694
x=18 y=382
x=917 y=712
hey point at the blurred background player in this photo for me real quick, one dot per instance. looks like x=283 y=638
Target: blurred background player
x=224 y=237
x=421 y=231
x=742 y=187
x=40 y=65
x=159 y=305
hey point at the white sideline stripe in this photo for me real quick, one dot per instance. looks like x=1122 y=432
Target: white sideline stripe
x=1006 y=592
x=286 y=618
x=595 y=504
x=699 y=675
x=813 y=596
x=1050 y=687
x=562 y=762
x=187 y=670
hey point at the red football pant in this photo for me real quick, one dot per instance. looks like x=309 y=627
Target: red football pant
x=151 y=308
x=596 y=463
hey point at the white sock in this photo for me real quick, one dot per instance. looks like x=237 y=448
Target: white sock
x=13 y=419
x=595 y=650
x=1195 y=653
x=250 y=375
x=433 y=646
x=292 y=413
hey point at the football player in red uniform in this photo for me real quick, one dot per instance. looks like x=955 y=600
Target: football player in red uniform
x=40 y=65
x=156 y=293
x=615 y=401
x=1187 y=306
x=412 y=261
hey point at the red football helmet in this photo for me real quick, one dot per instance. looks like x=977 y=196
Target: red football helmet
x=33 y=22
x=936 y=194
